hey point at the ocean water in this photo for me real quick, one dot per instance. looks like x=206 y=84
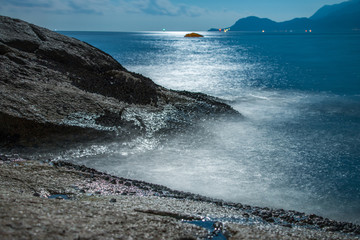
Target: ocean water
x=299 y=144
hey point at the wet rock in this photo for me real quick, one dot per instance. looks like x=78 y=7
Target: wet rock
x=4 y=158
x=332 y=229
x=56 y=90
x=170 y=214
x=288 y=225
x=113 y=200
x=218 y=226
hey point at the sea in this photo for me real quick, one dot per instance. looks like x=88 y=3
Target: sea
x=298 y=146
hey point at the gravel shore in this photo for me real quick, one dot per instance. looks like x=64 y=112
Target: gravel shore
x=59 y=200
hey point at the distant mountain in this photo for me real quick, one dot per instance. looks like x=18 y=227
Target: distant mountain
x=338 y=17
x=349 y=7
x=253 y=24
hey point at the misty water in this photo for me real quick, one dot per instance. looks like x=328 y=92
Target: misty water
x=298 y=146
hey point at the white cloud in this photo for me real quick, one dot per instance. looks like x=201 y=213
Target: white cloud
x=148 y=7
x=118 y=15
x=57 y=6
x=161 y=8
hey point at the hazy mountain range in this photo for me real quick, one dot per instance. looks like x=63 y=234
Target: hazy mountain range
x=338 y=17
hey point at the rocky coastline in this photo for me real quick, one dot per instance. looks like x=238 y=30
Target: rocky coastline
x=57 y=92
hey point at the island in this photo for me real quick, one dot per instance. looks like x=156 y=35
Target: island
x=193 y=35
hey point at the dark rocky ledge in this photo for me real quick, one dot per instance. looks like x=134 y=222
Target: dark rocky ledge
x=55 y=89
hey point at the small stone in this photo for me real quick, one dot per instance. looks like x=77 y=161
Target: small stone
x=239 y=205
x=113 y=181
x=112 y=200
x=332 y=229
x=4 y=158
x=288 y=225
x=36 y=194
x=218 y=225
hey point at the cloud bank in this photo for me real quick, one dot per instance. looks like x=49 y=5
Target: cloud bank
x=149 y=7
x=166 y=8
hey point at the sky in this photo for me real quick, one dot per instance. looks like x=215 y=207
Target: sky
x=153 y=15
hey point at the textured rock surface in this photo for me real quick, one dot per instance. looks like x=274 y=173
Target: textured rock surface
x=101 y=206
x=54 y=89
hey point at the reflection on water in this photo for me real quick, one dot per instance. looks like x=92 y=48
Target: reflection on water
x=299 y=144
x=198 y=65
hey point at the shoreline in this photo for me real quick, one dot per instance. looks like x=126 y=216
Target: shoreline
x=72 y=92
x=61 y=196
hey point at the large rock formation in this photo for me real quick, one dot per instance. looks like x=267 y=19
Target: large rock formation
x=54 y=89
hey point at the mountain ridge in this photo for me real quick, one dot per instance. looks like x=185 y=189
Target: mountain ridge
x=339 y=17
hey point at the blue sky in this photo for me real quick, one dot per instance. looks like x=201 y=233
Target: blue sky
x=148 y=15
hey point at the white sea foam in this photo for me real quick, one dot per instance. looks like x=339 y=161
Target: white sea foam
x=268 y=159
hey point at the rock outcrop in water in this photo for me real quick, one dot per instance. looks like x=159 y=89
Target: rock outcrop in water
x=56 y=89
x=193 y=35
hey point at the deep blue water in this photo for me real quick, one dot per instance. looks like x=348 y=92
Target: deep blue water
x=299 y=146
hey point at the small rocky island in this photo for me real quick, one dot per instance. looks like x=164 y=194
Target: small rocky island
x=57 y=91
x=193 y=35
